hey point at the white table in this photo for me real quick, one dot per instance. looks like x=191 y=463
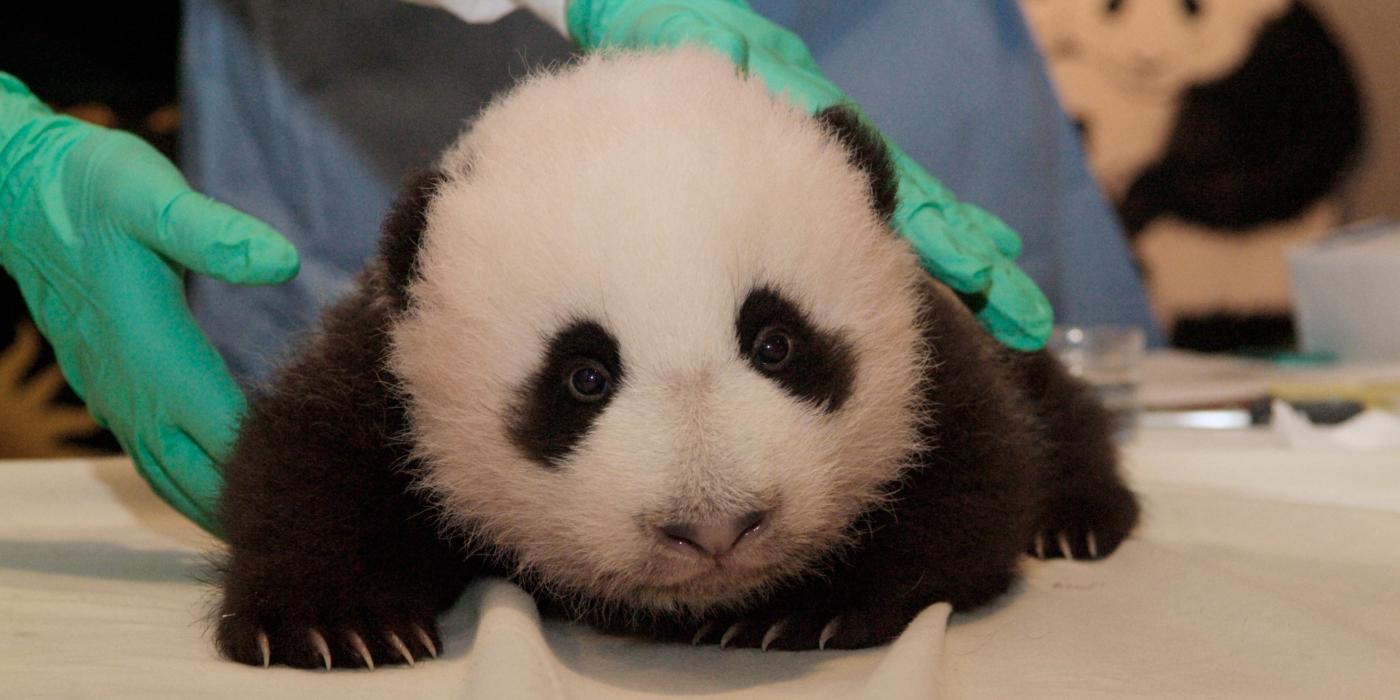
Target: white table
x=1258 y=573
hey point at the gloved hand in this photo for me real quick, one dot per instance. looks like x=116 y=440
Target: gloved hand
x=967 y=248
x=97 y=229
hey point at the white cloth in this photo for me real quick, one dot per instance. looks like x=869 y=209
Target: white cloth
x=1258 y=572
x=487 y=11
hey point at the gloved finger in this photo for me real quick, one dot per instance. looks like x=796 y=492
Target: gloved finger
x=189 y=385
x=971 y=222
x=199 y=425
x=990 y=225
x=215 y=239
x=949 y=259
x=190 y=496
x=929 y=217
x=787 y=69
x=210 y=407
x=1017 y=312
x=199 y=477
x=672 y=27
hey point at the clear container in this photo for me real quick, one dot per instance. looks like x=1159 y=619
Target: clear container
x=1110 y=359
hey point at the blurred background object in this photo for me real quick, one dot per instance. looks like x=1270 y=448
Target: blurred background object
x=1367 y=30
x=1110 y=359
x=1226 y=132
x=1345 y=288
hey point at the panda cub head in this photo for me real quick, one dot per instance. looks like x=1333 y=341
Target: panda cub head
x=658 y=344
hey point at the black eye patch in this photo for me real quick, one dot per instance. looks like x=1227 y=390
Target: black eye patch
x=818 y=365
x=551 y=418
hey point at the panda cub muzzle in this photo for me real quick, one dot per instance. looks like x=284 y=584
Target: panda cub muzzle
x=644 y=343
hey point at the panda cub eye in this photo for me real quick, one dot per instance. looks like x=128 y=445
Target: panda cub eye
x=575 y=380
x=785 y=346
x=589 y=381
x=772 y=349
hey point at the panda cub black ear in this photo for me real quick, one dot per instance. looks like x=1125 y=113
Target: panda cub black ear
x=402 y=234
x=867 y=152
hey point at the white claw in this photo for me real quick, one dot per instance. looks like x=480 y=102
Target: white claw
x=773 y=633
x=1093 y=542
x=828 y=632
x=700 y=634
x=1063 y=539
x=400 y=647
x=321 y=647
x=358 y=644
x=1039 y=545
x=426 y=640
x=729 y=634
x=265 y=647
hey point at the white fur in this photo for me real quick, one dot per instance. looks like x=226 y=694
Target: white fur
x=652 y=192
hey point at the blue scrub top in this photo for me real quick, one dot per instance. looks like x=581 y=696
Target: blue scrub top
x=310 y=114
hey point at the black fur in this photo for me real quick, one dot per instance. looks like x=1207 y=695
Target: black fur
x=1262 y=144
x=403 y=233
x=322 y=528
x=325 y=531
x=550 y=421
x=822 y=366
x=867 y=153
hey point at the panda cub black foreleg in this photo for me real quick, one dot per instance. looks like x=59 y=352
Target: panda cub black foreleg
x=1086 y=510
x=334 y=559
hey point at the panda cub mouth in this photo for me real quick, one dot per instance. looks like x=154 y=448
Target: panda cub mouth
x=702 y=585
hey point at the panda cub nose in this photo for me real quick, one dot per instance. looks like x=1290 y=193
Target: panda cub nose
x=714 y=538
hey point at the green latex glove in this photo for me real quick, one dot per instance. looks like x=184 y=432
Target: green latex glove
x=97 y=229
x=967 y=248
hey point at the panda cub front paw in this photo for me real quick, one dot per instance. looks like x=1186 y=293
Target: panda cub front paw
x=1086 y=526
x=262 y=637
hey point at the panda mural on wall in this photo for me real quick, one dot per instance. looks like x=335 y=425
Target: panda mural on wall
x=1221 y=131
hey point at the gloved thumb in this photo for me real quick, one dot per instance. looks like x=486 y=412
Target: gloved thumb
x=214 y=239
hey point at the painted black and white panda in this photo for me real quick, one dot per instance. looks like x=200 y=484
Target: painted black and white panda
x=645 y=343
x=1222 y=130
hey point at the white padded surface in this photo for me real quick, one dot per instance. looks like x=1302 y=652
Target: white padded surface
x=1258 y=573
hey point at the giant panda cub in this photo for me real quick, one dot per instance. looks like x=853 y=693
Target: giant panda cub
x=644 y=343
